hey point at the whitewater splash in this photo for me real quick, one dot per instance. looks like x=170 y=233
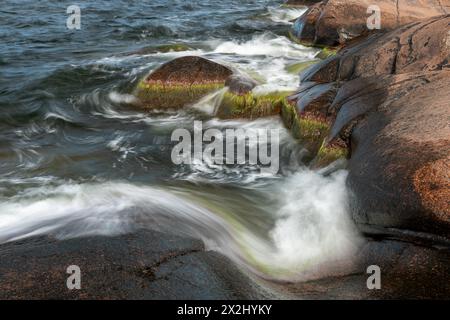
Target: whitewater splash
x=288 y=226
x=285 y=14
x=310 y=227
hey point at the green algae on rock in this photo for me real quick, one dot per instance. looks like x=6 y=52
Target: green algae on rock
x=328 y=154
x=327 y=52
x=297 y=67
x=250 y=105
x=312 y=131
x=180 y=82
x=173 y=95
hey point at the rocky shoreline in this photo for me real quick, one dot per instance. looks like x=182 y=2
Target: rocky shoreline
x=381 y=102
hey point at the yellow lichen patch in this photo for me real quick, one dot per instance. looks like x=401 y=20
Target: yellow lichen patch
x=431 y=183
x=251 y=106
x=158 y=95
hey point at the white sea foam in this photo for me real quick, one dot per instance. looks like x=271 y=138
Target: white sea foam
x=284 y=14
x=264 y=56
x=117 y=97
x=266 y=44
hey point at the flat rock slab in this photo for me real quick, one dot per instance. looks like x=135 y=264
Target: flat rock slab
x=407 y=271
x=143 y=265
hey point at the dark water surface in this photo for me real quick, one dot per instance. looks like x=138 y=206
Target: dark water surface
x=78 y=158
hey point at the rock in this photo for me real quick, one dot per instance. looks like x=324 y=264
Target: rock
x=334 y=22
x=250 y=105
x=304 y=28
x=408 y=271
x=186 y=80
x=400 y=157
x=142 y=265
x=240 y=102
x=317 y=99
x=390 y=112
x=181 y=81
x=240 y=84
x=306 y=115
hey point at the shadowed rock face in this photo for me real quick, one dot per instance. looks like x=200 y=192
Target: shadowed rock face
x=392 y=111
x=334 y=22
x=142 y=265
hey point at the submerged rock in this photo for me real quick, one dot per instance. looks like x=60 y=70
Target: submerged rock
x=334 y=22
x=177 y=47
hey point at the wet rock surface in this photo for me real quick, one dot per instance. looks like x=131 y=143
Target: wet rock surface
x=240 y=83
x=143 y=265
x=407 y=271
x=180 y=82
x=184 y=81
x=190 y=70
x=334 y=22
x=391 y=111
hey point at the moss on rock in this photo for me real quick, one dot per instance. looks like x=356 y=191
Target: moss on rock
x=328 y=154
x=175 y=95
x=250 y=105
x=180 y=82
x=309 y=130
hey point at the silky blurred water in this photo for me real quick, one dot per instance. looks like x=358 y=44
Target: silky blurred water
x=77 y=157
